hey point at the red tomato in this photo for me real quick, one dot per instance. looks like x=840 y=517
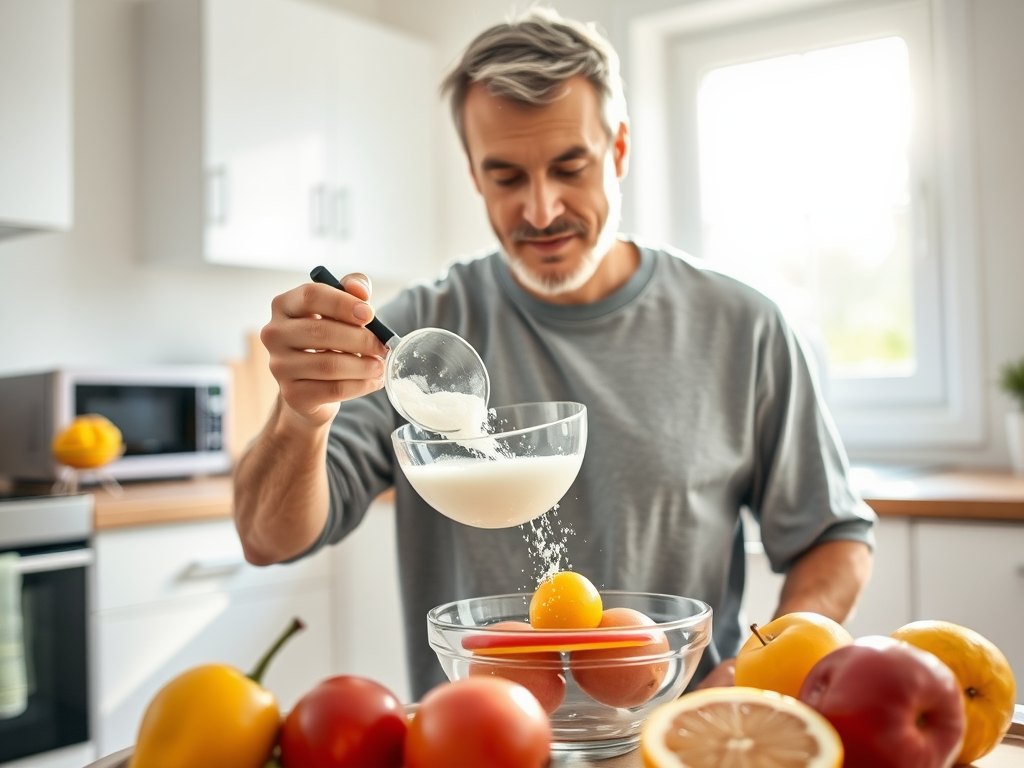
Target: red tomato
x=477 y=722
x=344 y=722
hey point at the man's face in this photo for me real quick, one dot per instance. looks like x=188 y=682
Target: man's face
x=549 y=177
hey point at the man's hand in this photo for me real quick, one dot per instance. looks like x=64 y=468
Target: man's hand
x=722 y=675
x=320 y=353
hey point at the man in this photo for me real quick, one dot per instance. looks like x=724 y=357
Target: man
x=699 y=398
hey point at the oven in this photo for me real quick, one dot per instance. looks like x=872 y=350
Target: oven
x=45 y=717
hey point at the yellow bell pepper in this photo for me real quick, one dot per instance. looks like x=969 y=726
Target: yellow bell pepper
x=212 y=716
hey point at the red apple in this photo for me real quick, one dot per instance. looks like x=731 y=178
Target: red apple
x=894 y=705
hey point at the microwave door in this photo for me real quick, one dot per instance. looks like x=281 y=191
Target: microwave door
x=154 y=420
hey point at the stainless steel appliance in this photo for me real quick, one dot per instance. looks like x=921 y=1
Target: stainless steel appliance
x=51 y=536
x=172 y=418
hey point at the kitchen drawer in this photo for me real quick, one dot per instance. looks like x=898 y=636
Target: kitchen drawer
x=136 y=566
x=973 y=574
x=140 y=649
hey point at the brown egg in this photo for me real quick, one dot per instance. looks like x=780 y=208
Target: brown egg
x=620 y=683
x=545 y=681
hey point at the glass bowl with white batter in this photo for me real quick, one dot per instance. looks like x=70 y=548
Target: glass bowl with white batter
x=514 y=470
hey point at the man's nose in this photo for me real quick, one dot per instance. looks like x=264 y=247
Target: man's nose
x=543 y=203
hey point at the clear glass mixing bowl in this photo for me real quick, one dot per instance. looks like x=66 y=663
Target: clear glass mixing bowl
x=505 y=478
x=582 y=725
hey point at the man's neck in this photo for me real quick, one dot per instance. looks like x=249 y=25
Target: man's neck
x=614 y=271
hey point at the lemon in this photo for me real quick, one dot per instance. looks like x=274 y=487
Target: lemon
x=90 y=441
x=740 y=728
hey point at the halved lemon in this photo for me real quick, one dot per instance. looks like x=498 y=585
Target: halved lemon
x=738 y=728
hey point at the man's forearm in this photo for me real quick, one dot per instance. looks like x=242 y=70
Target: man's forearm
x=281 y=494
x=827 y=579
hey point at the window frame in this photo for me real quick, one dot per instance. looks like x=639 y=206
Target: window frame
x=944 y=406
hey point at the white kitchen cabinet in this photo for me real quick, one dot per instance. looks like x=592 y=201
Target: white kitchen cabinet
x=170 y=597
x=886 y=603
x=282 y=134
x=972 y=573
x=370 y=628
x=35 y=116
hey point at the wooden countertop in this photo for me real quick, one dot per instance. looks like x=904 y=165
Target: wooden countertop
x=148 y=503
x=1009 y=754
x=170 y=501
x=963 y=494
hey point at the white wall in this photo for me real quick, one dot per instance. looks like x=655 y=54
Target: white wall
x=84 y=297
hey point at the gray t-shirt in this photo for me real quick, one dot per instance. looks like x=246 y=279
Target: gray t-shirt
x=700 y=401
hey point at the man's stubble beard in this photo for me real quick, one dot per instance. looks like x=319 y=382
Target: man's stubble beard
x=555 y=285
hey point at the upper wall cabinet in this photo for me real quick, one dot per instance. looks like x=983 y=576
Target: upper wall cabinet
x=282 y=134
x=35 y=116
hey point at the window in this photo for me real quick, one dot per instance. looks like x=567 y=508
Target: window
x=801 y=156
x=805 y=190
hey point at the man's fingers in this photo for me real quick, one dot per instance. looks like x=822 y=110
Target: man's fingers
x=357 y=284
x=320 y=333
x=306 y=394
x=348 y=362
x=325 y=366
x=316 y=299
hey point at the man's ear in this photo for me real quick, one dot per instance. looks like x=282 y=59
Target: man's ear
x=620 y=150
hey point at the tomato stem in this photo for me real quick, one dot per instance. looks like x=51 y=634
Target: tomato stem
x=257 y=674
x=753 y=628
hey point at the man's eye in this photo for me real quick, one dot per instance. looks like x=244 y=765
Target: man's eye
x=570 y=171
x=506 y=181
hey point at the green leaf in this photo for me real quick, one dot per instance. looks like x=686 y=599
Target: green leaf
x=1011 y=380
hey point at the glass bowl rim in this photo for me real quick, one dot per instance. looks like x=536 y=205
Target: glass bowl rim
x=705 y=613
x=495 y=435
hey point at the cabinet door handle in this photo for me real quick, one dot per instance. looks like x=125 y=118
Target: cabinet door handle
x=317 y=210
x=753 y=547
x=217 y=190
x=341 y=204
x=213 y=568
x=55 y=561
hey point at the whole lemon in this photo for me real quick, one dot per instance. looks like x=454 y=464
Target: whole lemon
x=984 y=675
x=90 y=441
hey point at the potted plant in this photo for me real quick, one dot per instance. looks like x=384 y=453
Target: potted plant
x=1011 y=381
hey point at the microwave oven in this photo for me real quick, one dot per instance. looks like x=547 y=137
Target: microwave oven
x=173 y=419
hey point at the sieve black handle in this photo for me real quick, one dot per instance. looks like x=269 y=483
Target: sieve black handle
x=375 y=326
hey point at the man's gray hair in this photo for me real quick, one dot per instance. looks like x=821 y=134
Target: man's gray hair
x=529 y=60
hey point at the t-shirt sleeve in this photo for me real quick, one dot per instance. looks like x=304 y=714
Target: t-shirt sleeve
x=801 y=492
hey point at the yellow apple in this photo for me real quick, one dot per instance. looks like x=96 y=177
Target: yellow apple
x=778 y=656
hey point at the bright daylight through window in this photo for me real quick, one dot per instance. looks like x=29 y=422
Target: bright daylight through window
x=806 y=191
